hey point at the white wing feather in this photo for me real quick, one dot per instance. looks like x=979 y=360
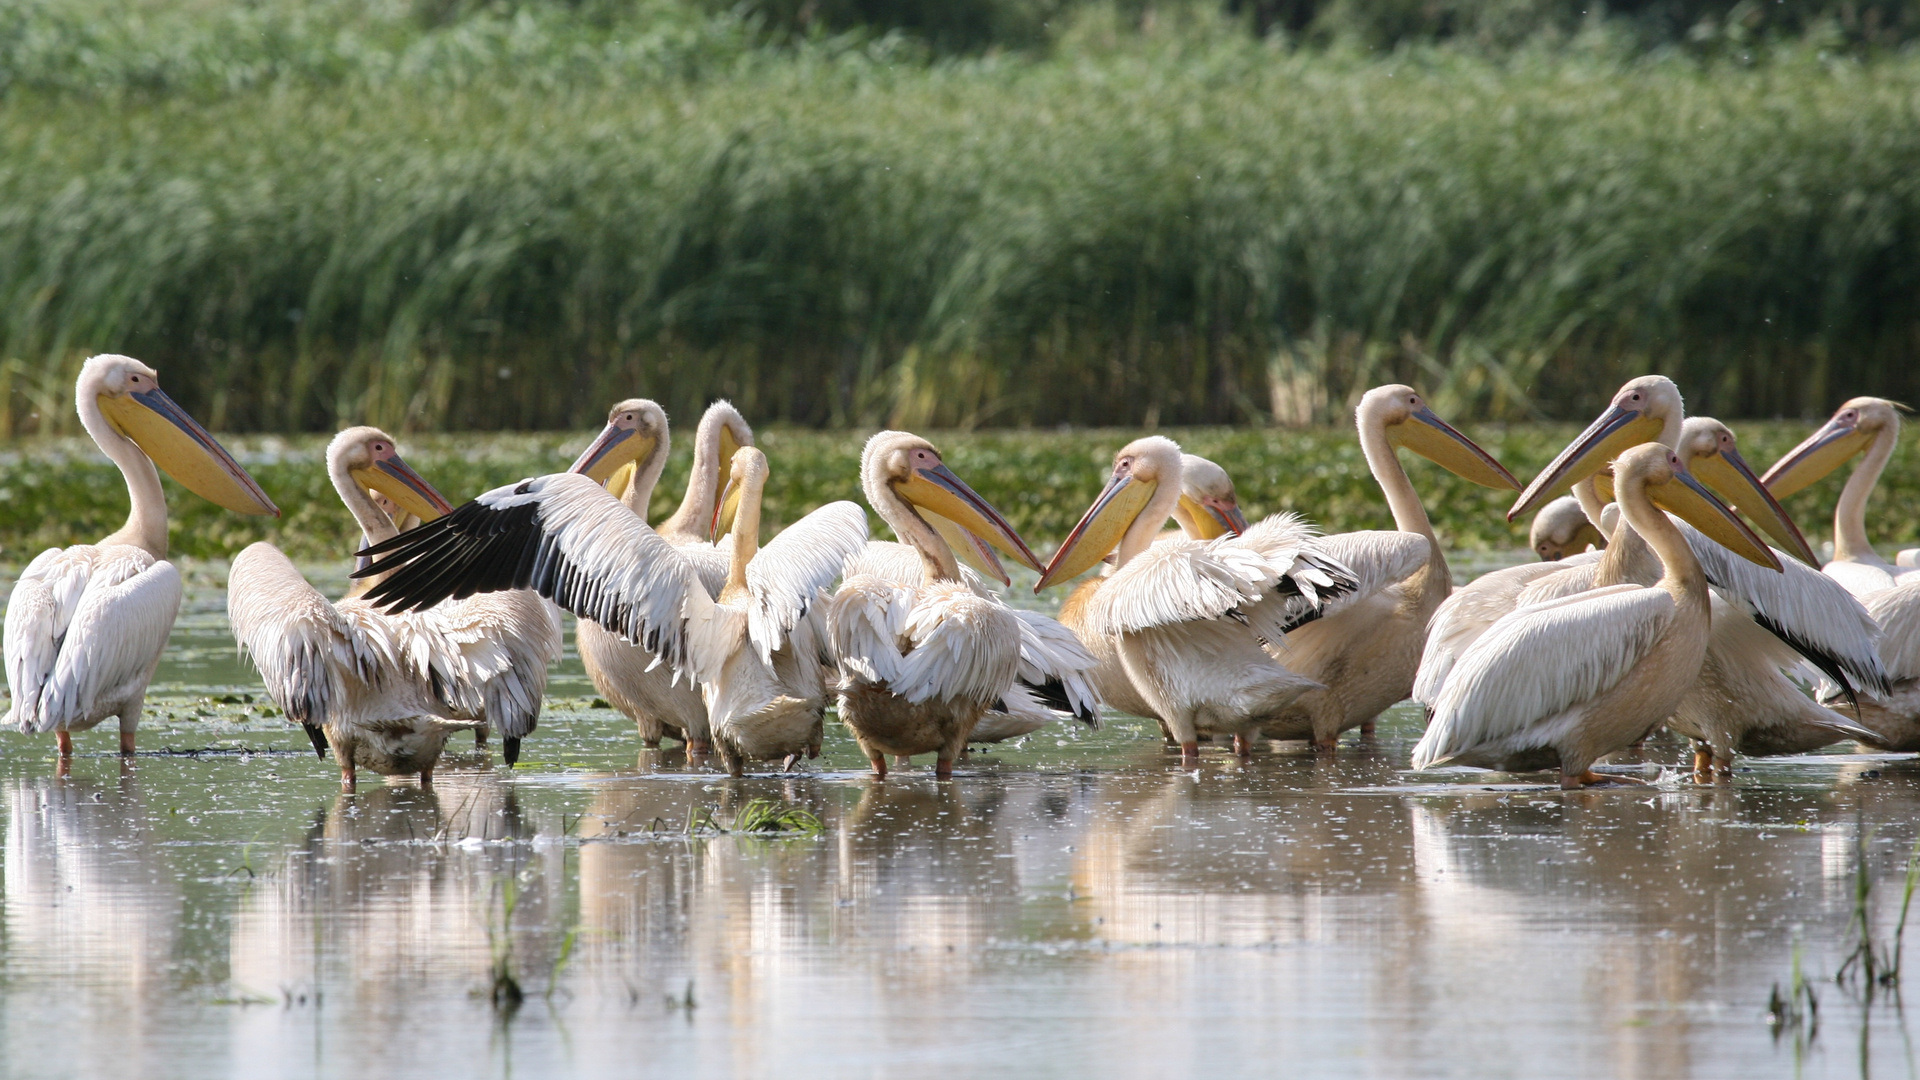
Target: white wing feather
x=1541 y=661
x=1897 y=610
x=788 y=573
x=91 y=622
x=307 y=649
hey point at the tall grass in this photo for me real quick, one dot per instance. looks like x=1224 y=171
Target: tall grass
x=1195 y=228
x=60 y=491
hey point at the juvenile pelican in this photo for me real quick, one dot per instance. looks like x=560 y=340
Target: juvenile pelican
x=382 y=691
x=1866 y=424
x=629 y=455
x=760 y=652
x=922 y=660
x=1561 y=529
x=1183 y=620
x=1366 y=650
x=86 y=624
x=1567 y=682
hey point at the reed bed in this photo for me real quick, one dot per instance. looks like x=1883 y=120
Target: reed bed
x=1196 y=228
x=61 y=491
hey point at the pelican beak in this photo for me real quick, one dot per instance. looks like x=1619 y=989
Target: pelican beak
x=1730 y=478
x=1687 y=497
x=1583 y=536
x=728 y=444
x=937 y=489
x=1100 y=530
x=408 y=490
x=724 y=509
x=616 y=446
x=178 y=444
x=1822 y=452
x=1214 y=518
x=1603 y=484
x=1439 y=442
x=622 y=480
x=1616 y=430
x=972 y=550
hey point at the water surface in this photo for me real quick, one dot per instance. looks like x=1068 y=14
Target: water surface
x=1075 y=905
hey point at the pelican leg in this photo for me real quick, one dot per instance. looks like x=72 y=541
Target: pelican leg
x=64 y=740
x=480 y=737
x=651 y=744
x=1190 y=754
x=1702 y=763
x=1243 y=746
x=731 y=758
x=347 y=780
x=699 y=747
x=426 y=778
x=126 y=742
x=1366 y=729
x=879 y=762
x=129 y=723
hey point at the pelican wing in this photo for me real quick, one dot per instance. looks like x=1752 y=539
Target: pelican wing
x=486 y=657
x=1897 y=610
x=1566 y=581
x=1377 y=559
x=788 y=573
x=1056 y=670
x=957 y=647
x=1805 y=608
x=84 y=622
x=1539 y=662
x=710 y=561
x=564 y=537
x=1467 y=614
x=307 y=649
x=866 y=621
x=1270 y=586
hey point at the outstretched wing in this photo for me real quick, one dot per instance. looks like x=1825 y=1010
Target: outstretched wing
x=1260 y=580
x=564 y=537
x=1541 y=661
x=85 y=622
x=788 y=573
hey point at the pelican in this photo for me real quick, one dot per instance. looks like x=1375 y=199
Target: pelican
x=1894 y=717
x=384 y=692
x=86 y=624
x=1564 y=683
x=721 y=434
x=1866 y=424
x=1366 y=650
x=1561 y=528
x=1183 y=620
x=1744 y=699
x=759 y=652
x=923 y=657
x=1208 y=507
x=629 y=455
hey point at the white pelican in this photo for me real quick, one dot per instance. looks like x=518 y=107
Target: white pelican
x=86 y=624
x=629 y=455
x=1184 y=620
x=1366 y=649
x=1561 y=528
x=384 y=692
x=1744 y=699
x=1867 y=424
x=923 y=657
x=1564 y=683
x=760 y=652
x=1208 y=508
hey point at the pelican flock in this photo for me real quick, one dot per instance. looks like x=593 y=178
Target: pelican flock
x=1673 y=590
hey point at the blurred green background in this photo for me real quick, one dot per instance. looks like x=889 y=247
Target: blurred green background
x=446 y=215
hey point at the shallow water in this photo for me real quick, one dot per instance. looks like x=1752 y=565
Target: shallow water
x=1076 y=905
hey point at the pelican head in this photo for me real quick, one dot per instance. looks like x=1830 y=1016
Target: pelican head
x=1708 y=448
x=1655 y=473
x=747 y=472
x=898 y=467
x=129 y=395
x=1851 y=430
x=636 y=429
x=1208 y=507
x=1408 y=421
x=368 y=459
x=1641 y=411
x=1140 y=470
x=1561 y=529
